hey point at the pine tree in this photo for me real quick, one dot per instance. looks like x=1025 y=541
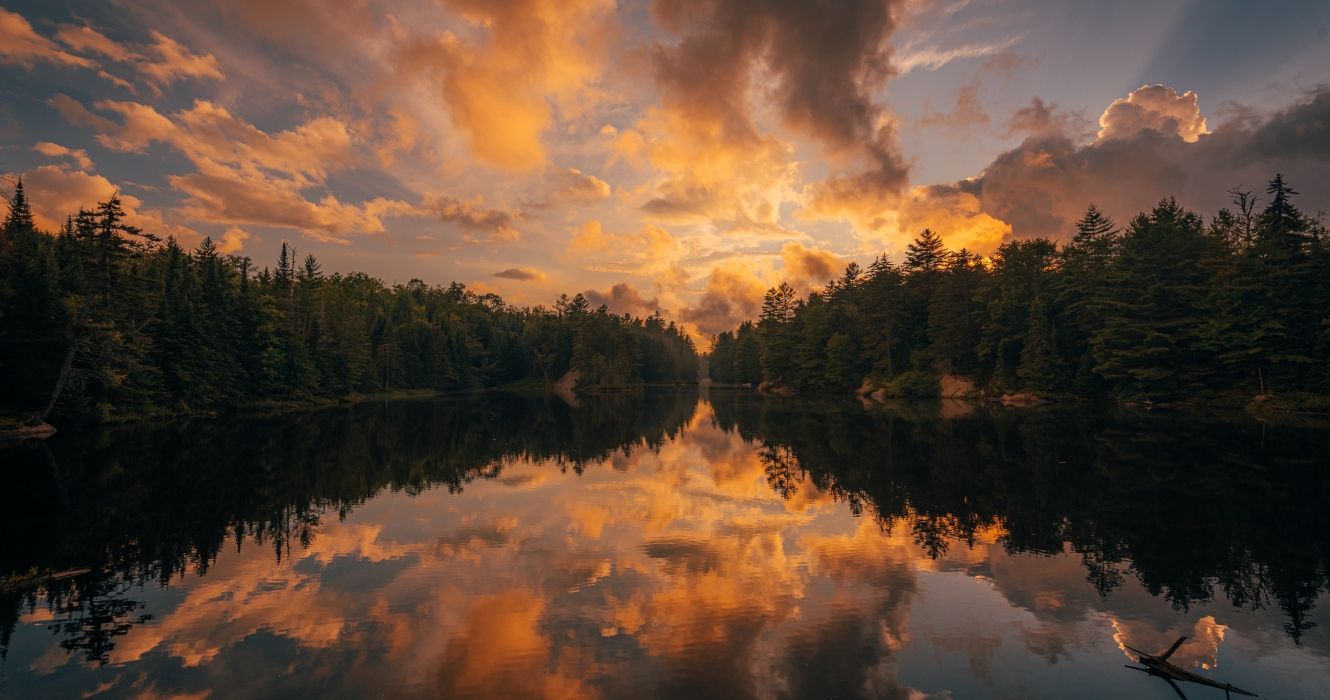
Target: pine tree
x=1151 y=343
x=1085 y=264
x=779 y=334
x=19 y=219
x=1041 y=366
x=926 y=253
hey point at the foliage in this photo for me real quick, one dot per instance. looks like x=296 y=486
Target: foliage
x=148 y=328
x=1168 y=308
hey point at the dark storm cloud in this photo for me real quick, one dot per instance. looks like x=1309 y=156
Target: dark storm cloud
x=520 y=273
x=824 y=59
x=623 y=298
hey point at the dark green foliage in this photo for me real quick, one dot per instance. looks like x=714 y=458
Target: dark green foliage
x=912 y=385
x=149 y=328
x=1168 y=309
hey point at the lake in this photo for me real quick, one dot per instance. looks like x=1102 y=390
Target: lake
x=670 y=545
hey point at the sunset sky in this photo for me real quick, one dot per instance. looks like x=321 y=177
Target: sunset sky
x=677 y=154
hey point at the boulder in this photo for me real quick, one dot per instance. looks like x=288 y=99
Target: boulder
x=954 y=387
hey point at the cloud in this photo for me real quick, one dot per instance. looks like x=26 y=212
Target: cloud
x=55 y=150
x=520 y=273
x=170 y=62
x=85 y=39
x=573 y=185
x=966 y=115
x=815 y=66
x=733 y=295
x=21 y=44
x=1037 y=119
x=209 y=133
x=623 y=298
x=1154 y=107
x=807 y=267
x=75 y=113
x=590 y=238
x=478 y=223
x=499 y=84
x=233 y=240
x=244 y=175
x=933 y=58
x=162 y=62
x=57 y=191
x=1043 y=185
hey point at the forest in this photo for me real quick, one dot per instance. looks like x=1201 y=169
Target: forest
x=1167 y=308
x=102 y=321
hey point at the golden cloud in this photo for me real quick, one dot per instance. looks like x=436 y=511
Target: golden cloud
x=498 y=86
x=21 y=44
x=55 y=150
x=58 y=191
x=1155 y=107
x=233 y=240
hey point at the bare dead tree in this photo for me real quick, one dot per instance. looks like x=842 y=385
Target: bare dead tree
x=1246 y=203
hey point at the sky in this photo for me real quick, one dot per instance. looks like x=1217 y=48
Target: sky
x=672 y=155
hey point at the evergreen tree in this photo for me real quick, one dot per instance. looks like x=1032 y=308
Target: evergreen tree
x=925 y=253
x=1151 y=343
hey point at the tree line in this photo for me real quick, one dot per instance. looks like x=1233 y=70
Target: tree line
x=104 y=321
x=1167 y=307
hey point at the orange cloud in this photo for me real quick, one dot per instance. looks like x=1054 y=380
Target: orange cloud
x=802 y=266
x=591 y=237
x=21 y=44
x=172 y=62
x=233 y=240
x=244 y=175
x=55 y=150
x=498 y=86
x=57 y=192
x=83 y=38
x=576 y=186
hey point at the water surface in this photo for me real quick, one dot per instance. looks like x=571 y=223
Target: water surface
x=667 y=545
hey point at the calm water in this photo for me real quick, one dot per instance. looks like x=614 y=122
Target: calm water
x=667 y=546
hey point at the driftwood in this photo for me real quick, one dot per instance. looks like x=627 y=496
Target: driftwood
x=32 y=581
x=1157 y=665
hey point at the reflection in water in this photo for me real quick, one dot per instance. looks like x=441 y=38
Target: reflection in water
x=656 y=545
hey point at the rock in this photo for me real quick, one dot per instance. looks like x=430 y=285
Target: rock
x=775 y=389
x=37 y=431
x=1023 y=398
x=954 y=387
x=566 y=387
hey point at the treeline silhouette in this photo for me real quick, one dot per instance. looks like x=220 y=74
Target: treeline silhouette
x=1169 y=307
x=105 y=321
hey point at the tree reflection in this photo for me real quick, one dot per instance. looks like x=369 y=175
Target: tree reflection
x=1193 y=509
x=145 y=504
